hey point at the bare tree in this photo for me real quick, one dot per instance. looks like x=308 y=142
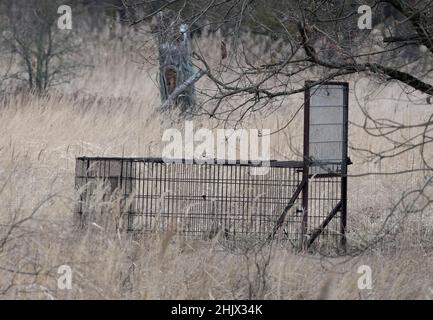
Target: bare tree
x=44 y=53
x=320 y=39
x=317 y=36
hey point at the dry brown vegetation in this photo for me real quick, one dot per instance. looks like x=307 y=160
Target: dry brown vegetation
x=111 y=109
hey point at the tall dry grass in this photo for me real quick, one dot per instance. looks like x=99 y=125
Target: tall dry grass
x=111 y=110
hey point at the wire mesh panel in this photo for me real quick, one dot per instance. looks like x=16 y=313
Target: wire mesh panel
x=324 y=196
x=199 y=200
x=327 y=127
x=106 y=191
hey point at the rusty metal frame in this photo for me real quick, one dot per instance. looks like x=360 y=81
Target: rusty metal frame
x=341 y=206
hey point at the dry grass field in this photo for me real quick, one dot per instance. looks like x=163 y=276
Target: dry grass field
x=111 y=110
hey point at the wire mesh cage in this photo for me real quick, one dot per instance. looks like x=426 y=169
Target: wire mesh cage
x=202 y=201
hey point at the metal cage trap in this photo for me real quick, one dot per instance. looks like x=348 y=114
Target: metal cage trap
x=298 y=202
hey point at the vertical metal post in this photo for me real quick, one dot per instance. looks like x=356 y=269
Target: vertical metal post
x=80 y=181
x=306 y=167
x=343 y=217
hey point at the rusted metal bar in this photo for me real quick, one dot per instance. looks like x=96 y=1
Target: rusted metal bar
x=306 y=169
x=322 y=227
x=290 y=204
